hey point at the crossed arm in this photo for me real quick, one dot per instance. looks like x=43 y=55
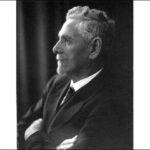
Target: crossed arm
x=102 y=130
x=36 y=126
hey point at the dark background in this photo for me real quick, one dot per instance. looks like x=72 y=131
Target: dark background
x=38 y=23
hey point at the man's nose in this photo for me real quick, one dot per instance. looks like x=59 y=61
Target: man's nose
x=57 y=48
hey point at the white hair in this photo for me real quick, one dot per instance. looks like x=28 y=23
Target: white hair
x=93 y=22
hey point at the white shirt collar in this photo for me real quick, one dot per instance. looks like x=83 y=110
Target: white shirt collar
x=76 y=86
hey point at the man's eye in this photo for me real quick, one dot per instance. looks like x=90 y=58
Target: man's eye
x=67 y=41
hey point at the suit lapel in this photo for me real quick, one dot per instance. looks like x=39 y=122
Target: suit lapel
x=74 y=105
x=53 y=102
x=65 y=113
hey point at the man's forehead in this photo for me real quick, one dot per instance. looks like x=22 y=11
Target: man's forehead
x=68 y=28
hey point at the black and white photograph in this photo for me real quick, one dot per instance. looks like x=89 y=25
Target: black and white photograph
x=74 y=74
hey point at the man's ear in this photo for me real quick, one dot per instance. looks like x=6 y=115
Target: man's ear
x=95 y=49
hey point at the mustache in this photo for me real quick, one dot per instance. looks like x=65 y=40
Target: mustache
x=60 y=57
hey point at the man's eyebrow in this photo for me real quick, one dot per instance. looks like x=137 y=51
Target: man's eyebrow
x=65 y=36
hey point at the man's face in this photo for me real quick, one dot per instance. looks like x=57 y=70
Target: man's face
x=71 y=51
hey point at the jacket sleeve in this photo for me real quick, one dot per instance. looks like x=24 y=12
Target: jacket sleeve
x=105 y=128
x=33 y=113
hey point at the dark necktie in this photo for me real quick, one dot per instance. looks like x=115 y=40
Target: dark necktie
x=68 y=95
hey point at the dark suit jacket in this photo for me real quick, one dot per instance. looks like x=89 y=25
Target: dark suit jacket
x=100 y=117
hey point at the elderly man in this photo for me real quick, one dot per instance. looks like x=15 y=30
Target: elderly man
x=79 y=108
